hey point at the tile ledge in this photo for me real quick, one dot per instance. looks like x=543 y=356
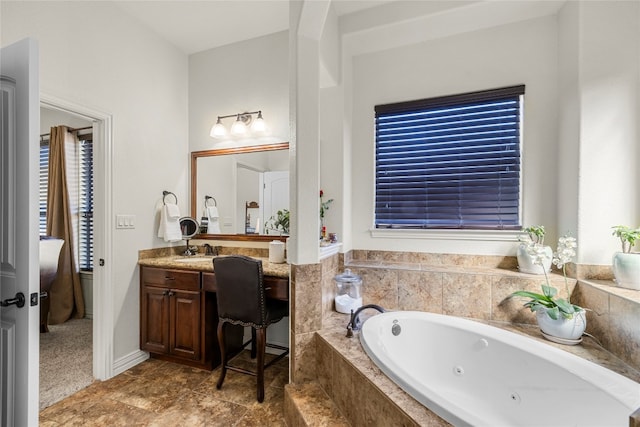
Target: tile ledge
x=480 y=270
x=610 y=287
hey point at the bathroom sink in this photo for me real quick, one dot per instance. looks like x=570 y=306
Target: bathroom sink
x=195 y=259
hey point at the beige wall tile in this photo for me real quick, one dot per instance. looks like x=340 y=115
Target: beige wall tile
x=508 y=309
x=379 y=286
x=306 y=297
x=467 y=295
x=303 y=365
x=347 y=394
x=625 y=321
x=306 y=272
x=420 y=290
x=380 y=411
x=597 y=301
x=324 y=365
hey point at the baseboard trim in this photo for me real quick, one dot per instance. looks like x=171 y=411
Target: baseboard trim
x=129 y=361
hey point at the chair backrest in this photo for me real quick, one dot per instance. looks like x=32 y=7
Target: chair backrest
x=240 y=290
x=49 y=256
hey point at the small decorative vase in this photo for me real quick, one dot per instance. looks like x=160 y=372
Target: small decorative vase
x=525 y=262
x=626 y=269
x=565 y=329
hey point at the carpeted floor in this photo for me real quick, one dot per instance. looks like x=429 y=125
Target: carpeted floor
x=66 y=363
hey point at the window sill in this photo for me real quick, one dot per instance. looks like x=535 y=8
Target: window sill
x=470 y=235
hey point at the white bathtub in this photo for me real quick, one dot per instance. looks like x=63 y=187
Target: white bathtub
x=472 y=374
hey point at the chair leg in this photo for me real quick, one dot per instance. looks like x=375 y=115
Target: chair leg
x=261 y=344
x=253 y=343
x=223 y=354
x=44 y=314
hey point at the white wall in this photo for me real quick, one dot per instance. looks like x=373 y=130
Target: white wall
x=246 y=76
x=609 y=105
x=93 y=55
x=521 y=53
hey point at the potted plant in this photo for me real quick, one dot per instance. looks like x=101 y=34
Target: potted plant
x=559 y=319
x=626 y=264
x=532 y=244
x=279 y=224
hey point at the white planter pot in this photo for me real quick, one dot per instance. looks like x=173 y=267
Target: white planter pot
x=526 y=265
x=626 y=269
x=567 y=329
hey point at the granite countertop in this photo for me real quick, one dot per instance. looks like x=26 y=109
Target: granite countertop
x=205 y=263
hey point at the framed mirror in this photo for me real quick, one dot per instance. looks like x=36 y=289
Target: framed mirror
x=241 y=193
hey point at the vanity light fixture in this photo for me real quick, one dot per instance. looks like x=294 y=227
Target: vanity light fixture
x=243 y=125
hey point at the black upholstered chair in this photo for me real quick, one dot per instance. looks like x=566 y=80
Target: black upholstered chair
x=241 y=301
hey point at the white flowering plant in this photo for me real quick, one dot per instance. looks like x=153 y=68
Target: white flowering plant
x=549 y=300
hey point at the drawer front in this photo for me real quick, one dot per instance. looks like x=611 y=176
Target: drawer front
x=274 y=287
x=209 y=282
x=178 y=279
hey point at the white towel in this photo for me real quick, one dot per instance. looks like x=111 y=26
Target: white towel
x=170 y=223
x=213 y=225
x=212 y=212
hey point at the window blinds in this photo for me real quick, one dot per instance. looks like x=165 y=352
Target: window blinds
x=85 y=204
x=450 y=162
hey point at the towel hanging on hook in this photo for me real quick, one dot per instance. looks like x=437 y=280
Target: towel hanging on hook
x=207 y=198
x=165 y=193
x=211 y=214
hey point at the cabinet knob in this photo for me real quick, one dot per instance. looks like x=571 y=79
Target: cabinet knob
x=171 y=293
x=165 y=293
x=169 y=278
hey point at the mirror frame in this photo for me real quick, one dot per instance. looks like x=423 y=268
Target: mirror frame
x=195 y=155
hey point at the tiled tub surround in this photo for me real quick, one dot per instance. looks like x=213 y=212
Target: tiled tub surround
x=366 y=396
x=458 y=285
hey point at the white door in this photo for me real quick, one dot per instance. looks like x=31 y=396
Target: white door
x=19 y=271
x=275 y=193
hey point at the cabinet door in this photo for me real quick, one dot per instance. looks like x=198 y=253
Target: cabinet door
x=185 y=325
x=154 y=327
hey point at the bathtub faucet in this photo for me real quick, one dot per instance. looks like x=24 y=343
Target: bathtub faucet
x=354 y=322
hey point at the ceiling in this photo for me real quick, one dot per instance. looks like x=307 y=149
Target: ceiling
x=194 y=26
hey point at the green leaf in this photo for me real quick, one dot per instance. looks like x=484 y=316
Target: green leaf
x=549 y=291
x=553 y=313
x=565 y=306
x=527 y=294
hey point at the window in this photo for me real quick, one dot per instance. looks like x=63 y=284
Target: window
x=450 y=162
x=85 y=204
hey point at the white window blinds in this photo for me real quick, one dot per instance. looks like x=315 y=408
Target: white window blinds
x=85 y=202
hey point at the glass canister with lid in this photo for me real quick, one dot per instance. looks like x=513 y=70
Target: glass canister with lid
x=348 y=292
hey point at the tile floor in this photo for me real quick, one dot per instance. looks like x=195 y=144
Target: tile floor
x=158 y=393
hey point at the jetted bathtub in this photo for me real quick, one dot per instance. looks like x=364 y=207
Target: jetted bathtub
x=473 y=374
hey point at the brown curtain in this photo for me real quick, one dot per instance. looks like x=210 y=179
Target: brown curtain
x=66 y=298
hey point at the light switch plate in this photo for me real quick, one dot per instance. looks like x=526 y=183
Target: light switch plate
x=125 y=221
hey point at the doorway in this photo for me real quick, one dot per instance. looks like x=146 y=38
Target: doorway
x=98 y=298
x=66 y=350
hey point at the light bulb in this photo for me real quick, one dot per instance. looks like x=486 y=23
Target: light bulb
x=218 y=130
x=238 y=127
x=259 y=125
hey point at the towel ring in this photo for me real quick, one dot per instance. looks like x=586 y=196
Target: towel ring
x=165 y=193
x=207 y=198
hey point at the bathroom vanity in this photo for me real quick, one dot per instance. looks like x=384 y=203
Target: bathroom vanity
x=178 y=310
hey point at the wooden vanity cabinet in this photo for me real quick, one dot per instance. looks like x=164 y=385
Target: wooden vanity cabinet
x=177 y=319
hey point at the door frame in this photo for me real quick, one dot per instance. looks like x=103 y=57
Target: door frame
x=102 y=229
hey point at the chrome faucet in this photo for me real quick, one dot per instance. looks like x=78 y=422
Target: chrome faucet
x=190 y=250
x=210 y=250
x=354 y=322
